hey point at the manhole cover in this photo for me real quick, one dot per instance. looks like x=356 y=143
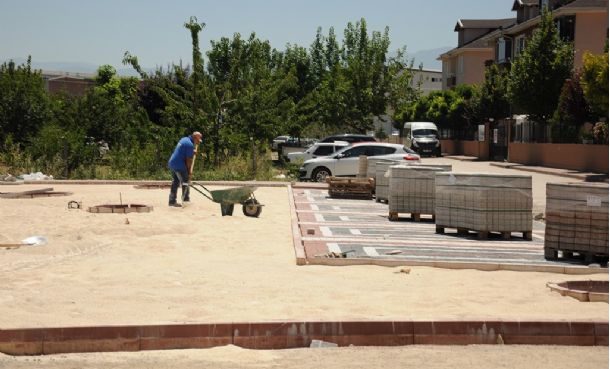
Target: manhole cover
x=121 y=209
x=594 y=291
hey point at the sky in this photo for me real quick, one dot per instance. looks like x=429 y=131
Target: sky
x=99 y=32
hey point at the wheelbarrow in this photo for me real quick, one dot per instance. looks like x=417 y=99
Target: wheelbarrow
x=229 y=197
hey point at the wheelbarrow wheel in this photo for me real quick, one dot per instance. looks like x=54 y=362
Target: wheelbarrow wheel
x=252 y=208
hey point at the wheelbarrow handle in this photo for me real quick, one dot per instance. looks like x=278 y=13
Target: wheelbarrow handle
x=208 y=194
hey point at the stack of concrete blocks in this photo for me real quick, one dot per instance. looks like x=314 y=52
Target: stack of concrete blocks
x=484 y=203
x=362 y=166
x=576 y=220
x=382 y=180
x=382 y=176
x=412 y=190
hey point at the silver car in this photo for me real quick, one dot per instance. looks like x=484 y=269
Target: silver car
x=279 y=140
x=345 y=162
x=317 y=150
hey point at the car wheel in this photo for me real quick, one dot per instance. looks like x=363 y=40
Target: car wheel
x=320 y=174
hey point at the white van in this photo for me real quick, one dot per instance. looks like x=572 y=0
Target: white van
x=422 y=137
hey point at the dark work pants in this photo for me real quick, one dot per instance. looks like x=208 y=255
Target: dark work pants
x=180 y=178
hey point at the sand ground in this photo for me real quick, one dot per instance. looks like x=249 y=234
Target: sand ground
x=416 y=357
x=192 y=265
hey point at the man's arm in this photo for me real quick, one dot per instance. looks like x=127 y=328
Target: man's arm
x=189 y=168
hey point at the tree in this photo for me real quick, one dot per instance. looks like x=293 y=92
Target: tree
x=450 y=109
x=594 y=82
x=538 y=74
x=194 y=27
x=105 y=74
x=493 y=100
x=572 y=111
x=24 y=103
x=401 y=90
x=365 y=70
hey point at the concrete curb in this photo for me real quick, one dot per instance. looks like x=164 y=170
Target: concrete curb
x=486 y=267
x=293 y=334
x=297 y=241
x=552 y=171
x=152 y=183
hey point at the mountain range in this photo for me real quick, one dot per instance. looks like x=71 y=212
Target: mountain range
x=425 y=57
x=428 y=58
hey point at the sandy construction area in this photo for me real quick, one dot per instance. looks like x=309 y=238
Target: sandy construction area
x=429 y=357
x=192 y=265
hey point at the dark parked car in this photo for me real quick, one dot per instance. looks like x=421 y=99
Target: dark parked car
x=349 y=137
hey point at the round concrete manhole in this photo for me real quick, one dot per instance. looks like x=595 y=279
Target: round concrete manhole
x=593 y=291
x=120 y=209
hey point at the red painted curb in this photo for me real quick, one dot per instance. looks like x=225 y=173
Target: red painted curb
x=283 y=335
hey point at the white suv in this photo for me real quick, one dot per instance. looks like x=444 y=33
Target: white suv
x=345 y=162
x=317 y=150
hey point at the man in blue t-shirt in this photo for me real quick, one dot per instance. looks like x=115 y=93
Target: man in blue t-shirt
x=180 y=165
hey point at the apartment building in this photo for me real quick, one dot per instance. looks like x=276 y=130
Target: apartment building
x=428 y=80
x=583 y=22
x=466 y=62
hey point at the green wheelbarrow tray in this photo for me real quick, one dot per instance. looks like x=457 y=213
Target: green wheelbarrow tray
x=227 y=199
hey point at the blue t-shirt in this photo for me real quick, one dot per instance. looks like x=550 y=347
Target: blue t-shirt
x=184 y=149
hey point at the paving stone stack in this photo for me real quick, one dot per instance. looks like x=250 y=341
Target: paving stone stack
x=382 y=177
x=576 y=220
x=484 y=203
x=362 y=166
x=412 y=190
x=371 y=170
x=382 y=180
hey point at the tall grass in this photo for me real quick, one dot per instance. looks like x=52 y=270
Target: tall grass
x=146 y=163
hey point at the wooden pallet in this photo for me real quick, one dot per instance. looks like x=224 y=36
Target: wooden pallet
x=416 y=217
x=44 y=192
x=484 y=235
x=583 y=256
x=350 y=188
x=152 y=186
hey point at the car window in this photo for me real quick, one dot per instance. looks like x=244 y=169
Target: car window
x=355 y=151
x=381 y=150
x=323 y=151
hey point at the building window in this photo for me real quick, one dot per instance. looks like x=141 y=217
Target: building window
x=565 y=26
x=503 y=50
x=460 y=64
x=520 y=45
